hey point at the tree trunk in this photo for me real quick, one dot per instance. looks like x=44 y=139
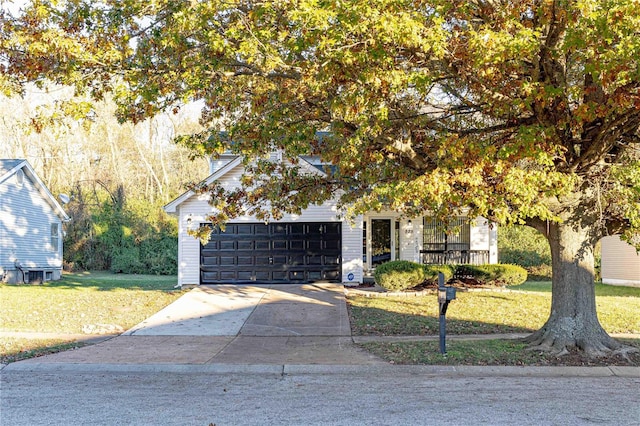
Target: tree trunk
x=573 y=322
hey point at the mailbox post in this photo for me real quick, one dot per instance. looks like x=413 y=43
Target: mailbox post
x=445 y=295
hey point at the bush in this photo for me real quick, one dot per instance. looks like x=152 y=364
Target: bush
x=431 y=272
x=524 y=246
x=492 y=275
x=399 y=275
x=127 y=261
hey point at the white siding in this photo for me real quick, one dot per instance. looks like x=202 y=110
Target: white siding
x=25 y=229
x=620 y=262
x=484 y=236
x=410 y=239
x=217 y=164
x=197 y=208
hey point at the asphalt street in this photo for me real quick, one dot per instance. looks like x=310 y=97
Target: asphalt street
x=388 y=396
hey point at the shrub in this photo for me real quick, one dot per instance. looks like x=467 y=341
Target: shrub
x=127 y=261
x=431 y=272
x=524 y=246
x=492 y=275
x=399 y=275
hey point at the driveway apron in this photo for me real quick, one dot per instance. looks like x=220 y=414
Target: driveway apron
x=233 y=324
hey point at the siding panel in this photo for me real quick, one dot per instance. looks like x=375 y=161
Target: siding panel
x=25 y=228
x=620 y=262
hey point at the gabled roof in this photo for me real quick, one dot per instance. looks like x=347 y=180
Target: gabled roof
x=173 y=205
x=306 y=163
x=9 y=167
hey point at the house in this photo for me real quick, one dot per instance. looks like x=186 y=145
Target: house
x=620 y=262
x=30 y=226
x=317 y=245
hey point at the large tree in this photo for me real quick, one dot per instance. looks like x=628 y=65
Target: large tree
x=519 y=111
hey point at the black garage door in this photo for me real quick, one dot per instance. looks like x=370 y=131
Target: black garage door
x=273 y=253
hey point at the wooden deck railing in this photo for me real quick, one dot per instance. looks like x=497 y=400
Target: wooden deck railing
x=455 y=257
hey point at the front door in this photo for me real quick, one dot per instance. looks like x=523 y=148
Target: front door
x=380 y=241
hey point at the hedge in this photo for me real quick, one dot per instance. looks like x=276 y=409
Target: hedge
x=399 y=275
x=493 y=275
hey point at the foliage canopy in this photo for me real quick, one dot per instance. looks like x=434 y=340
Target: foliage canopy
x=520 y=111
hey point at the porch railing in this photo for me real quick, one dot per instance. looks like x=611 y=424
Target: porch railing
x=454 y=257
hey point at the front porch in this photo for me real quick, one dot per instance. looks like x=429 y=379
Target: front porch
x=424 y=240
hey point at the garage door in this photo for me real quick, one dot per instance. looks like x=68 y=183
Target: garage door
x=273 y=253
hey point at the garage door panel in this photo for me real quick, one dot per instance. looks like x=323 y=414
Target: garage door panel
x=280 y=276
x=262 y=276
x=245 y=276
x=315 y=275
x=297 y=276
x=274 y=253
x=331 y=260
x=279 y=244
x=263 y=245
x=209 y=260
x=227 y=260
x=227 y=245
x=244 y=229
x=262 y=260
x=314 y=245
x=228 y=275
x=331 y=275
x=296 y=245
x=245 y=245
x=295 y=260
x=245 y=261
x=278 y=229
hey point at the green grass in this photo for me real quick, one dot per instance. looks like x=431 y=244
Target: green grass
x=601 y=289
x=486 y=312
x=14 y=349
x=79 y=301
x=487 y=352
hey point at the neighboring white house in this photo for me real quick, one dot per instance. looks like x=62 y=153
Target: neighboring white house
x=30 y=226
x=317 y=245
x=620 y=262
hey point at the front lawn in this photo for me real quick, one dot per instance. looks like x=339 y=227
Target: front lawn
x=80 y=303
x=484 y=312
x=523 y=310
x=489 y=352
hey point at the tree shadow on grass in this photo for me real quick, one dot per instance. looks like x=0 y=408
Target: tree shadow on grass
x=601 y=289
x=375 y=321
x=107 y=281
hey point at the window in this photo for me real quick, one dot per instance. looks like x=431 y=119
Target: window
x=438 y=237
x=364 y=241
x=55 y=236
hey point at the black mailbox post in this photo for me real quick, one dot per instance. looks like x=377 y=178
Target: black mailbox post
x=445 y=295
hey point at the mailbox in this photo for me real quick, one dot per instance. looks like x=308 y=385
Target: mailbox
x=451 y=293
x=446 y=294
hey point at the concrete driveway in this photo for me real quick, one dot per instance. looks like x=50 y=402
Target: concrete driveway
x=230 y=324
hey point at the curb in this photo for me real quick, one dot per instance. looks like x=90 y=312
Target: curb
x=312 y=369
